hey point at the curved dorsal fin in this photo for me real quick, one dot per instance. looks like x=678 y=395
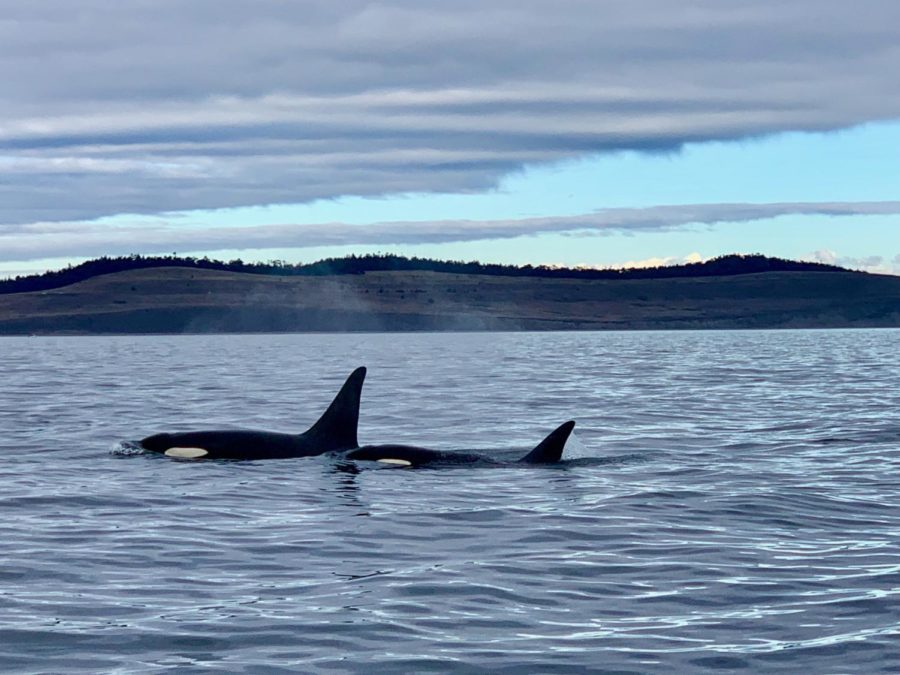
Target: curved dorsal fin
x=338 y=424
x=550 y=449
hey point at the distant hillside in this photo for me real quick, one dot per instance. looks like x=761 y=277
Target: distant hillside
x=180 y=299
x=728 y=265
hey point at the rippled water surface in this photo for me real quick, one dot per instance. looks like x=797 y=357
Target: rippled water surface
x=731 y=501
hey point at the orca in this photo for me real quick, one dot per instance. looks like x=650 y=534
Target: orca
x=548 y=451
x=334 y=431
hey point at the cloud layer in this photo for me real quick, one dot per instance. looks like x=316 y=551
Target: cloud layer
x=47 y=240
x=876 y=264
x=144 y=106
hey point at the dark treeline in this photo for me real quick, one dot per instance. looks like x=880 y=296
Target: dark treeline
x=728 y=265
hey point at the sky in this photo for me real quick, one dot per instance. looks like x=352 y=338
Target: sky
x=564 y=132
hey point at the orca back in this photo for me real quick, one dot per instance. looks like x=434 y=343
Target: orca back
x=548 y=451
x=335 y=430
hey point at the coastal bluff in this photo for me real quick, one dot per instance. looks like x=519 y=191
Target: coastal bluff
x=190 y=300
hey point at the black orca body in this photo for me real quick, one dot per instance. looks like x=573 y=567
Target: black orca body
x=335 y=430
x=548 y=451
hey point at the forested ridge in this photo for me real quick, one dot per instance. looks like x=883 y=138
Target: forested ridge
x=728 y=265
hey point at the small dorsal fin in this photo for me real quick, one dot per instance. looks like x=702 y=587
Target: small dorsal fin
x=338 y=424
x=550 y=449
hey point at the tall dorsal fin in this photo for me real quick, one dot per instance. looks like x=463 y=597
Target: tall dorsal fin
x=338 y=424
x=550 y=449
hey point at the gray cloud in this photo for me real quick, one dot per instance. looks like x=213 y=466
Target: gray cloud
x=875 y=264
x=144 y=106
x=55 y=239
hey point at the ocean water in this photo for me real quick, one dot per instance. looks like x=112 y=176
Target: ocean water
x=731 y=501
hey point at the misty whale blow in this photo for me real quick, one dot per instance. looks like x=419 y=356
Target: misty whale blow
x=335 y=430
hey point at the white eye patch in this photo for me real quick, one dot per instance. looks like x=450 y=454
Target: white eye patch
x=396 y=462
x=186 y=453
